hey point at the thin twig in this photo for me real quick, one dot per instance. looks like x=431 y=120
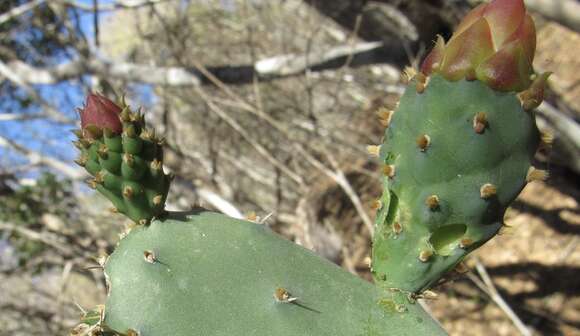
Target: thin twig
x=257 y=146
x=33 y=235
x=126 y=4
x=489 y=288
x=39 y=158
x=338 y=176
x=17 y=11
x=49 y=110
x=96 y=64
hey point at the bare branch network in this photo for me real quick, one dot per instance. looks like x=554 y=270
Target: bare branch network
x=265 y=69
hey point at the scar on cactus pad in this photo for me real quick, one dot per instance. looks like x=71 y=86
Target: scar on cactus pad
x=456 y=152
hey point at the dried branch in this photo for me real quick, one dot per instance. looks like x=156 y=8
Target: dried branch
x=292 y=64
x=258 y=147
x=171 y=76
x=489 y=288
x=269 y=68
x=220 y=203
x=36 y=236
x=338 y=176
x=17 y=11
x=17 y=79
x=565 y=12
x=210 y=197
x=37 y=158
x=21 y=117
x=121 y=4
x=404 y=27
x=567 y=132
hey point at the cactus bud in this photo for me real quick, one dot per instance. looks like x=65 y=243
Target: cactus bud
x=99 y=113
x=495 y=43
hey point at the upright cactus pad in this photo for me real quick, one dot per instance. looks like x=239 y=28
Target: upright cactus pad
x=459 y=148
x=455 y=156
x=124 y=158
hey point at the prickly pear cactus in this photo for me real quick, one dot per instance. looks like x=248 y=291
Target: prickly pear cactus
x=124 y=158
x=456 y=152
x=203 y=273
x=458 y=149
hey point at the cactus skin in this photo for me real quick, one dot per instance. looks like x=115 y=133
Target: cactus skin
x=208 y=274
x=460 y=153
x=124 y=158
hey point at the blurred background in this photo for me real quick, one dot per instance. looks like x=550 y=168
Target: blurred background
x=267 y=107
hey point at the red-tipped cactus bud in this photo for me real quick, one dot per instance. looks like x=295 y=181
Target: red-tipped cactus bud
x=495 y=43
x=99 y=113
x=433 y=61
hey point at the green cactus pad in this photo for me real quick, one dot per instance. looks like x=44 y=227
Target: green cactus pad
x=457 y=154
x=207 y=274
x=127 y=168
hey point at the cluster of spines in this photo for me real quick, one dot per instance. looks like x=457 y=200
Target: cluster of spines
x=127 y=168
x=530 y=99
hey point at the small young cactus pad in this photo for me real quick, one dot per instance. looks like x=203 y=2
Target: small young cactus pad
x=124 y=157
x=448 y=197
